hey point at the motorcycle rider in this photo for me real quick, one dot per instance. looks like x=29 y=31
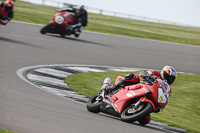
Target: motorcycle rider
x=80 y=15
x=6 y=11
x=168 y=74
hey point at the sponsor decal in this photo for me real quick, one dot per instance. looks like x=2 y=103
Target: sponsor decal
x=160 y=98
x=110 y=103
x=130 y=94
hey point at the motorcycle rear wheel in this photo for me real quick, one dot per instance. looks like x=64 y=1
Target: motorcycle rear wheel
x=94 y=103
x=131 y=114
x=46 y=28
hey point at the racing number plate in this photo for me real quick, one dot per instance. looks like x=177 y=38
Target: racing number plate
x=162 y=96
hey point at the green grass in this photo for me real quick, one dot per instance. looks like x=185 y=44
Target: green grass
x=27 y=12
x=182 y=110
x=5 y=131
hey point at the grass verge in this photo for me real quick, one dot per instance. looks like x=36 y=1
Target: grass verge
x=39 y=14
x=182 y=110
x=5 y=131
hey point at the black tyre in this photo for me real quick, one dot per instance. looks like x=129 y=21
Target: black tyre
x=46 y=28
x=94 y=103
x=131 y=113
x=62 y=34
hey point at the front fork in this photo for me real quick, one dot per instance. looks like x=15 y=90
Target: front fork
x=144 y=99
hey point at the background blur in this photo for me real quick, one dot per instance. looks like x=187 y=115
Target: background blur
x=177 y=12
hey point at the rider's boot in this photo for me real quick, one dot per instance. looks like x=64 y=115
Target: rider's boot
x=77 y=28
x=73 y=30
x=76 y=34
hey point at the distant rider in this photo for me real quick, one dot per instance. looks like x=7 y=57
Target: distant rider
x=168 y=74
x=6 y=11
x=80 y=15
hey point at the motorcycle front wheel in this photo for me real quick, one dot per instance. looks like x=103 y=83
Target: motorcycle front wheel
x=46 y=28
x=94 y=103
x=131 y=113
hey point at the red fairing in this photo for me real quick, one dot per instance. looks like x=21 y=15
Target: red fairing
x=144 y=99
x=125 y=94
x=3 y=13
x=68 y=19
x=160 y=93
x=119 y=78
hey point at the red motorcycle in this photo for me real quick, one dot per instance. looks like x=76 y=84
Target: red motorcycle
x=8 y=5
x=60 y=24
x=133 y=102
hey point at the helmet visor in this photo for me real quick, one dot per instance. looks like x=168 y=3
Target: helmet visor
x=170 y=79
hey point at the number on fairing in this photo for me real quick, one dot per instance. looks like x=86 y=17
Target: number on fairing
x=162 y=97
x=59 y=20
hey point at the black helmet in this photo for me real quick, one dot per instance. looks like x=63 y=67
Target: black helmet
x=80 y=11
x=82 y=8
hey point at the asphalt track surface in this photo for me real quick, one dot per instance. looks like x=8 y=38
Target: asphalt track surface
x=27 y=109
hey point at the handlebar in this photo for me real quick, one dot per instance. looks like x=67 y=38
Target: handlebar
x=145 y=75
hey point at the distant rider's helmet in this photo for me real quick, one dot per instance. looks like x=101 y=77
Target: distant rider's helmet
x=9 y=5
x=81 y=10
x=168 y=73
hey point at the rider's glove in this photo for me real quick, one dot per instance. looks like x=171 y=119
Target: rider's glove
x=144 y=74
x=106 y=85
